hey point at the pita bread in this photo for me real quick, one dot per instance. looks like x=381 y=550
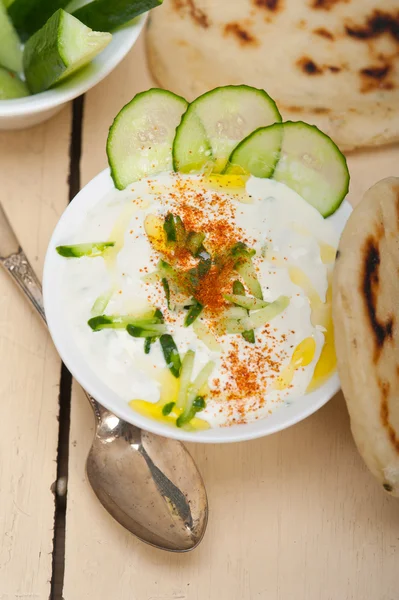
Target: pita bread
x=366 y=322
x=333 y=63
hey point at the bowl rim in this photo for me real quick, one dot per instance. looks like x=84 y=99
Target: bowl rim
x=122 y=41
x=109 y=399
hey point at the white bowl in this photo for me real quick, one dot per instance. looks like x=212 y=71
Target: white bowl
x=25 y=112
x=284 y=417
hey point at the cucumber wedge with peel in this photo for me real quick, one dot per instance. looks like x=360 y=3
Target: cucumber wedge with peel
x=257 y=154
x=106 y=15
x=59 y=49
x=227 y=115
x=29 y=16
x=312 y=164
x=141 y=137
x=11 y=86
x=10 y=45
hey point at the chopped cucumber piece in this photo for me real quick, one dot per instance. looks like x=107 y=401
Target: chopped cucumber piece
x=248 y=272
x=198 y=405
x=194 y=243
x=106 y=15
x=239 y=290
x=11 y=86
x=227 y=115
x=196 y=274
x=10 y=46
x=235 y=312
x=78 y=250
x=246 y=301
x=171 y=354
x=29 y=16
x=185 y=378
x=148 y=343
x=194 y=312
x=167 y=408
x=249 y=336
x=101 y=303
x=60 y=48
x=312 y=165
x=264 y=315
x=166 y=289
x=170 y=228
x=206 y=336
x=199 y=382
x=257 y=154
x=147 y=318
x=145 y=331
x=141 y=137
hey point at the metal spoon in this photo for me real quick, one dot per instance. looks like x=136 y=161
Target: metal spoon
x=148 y=483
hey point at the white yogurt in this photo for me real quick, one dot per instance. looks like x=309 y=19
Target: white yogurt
x=286 y=233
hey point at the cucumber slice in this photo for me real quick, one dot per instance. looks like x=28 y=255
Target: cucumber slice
x=11 y=85
x=227 y=115
x=104 y=15
x=60 y=48
x=312 y=165
x=10 y=46
x=29 y=16
x=257 y=154
x=140 y=138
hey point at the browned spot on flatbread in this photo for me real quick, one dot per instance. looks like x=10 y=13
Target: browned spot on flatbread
x=323 y=32
x=334 y=68
x=197 y=14
x=378 y=23
x=244 y=37
x=370 y=285
x=309 y=66
x=320 y=110
x=376 y=77
x=384 y=414
x=273 y=5
x=326 y=4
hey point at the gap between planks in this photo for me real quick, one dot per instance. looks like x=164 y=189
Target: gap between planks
x=57 y=578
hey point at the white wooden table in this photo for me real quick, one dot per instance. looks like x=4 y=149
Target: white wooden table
x=292 y=516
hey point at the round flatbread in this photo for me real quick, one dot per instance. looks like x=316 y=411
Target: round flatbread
x=332 y=63
x=366 y=322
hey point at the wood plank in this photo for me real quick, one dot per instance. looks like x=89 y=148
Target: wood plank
x=294 y=515
x=34 y=170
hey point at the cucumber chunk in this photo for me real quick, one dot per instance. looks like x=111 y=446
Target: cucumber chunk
x=312 y=165
x=11 y=85
x=60 y=48
x=104 y=15
x=29 y=16
x=227 y=115
x=257 y=154
x=141 y=137
x=10 y=46
x=90 y=249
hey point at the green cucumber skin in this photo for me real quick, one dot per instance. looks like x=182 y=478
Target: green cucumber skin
x=10 y=45
x=106 y=15
x=41 y=75
x=29 y=16
x=231 y=162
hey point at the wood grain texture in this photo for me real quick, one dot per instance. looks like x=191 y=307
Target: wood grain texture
x=34 y=170
x=292 y=516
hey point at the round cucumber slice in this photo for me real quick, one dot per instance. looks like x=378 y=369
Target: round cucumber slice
x=257 y=154
x=141 y=137
x=312 y=165
x=227 y=115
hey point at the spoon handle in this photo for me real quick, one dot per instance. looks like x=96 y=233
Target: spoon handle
x=15 y=262
x=13 y=259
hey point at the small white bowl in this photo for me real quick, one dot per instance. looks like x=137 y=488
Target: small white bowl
x=284 y=417
x=25 y=112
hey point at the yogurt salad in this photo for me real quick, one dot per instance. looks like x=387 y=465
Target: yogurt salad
x=200 y=290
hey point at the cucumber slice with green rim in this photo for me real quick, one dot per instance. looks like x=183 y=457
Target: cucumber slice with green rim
x=312 y=165
x=60 y=48
x=257 y=154
x=227 y=115
x=11 y=85
x=10 y=45
x=29 y=16
x=104 y=15
x=141 y=137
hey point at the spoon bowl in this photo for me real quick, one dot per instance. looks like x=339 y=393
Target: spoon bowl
x=148 y=483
